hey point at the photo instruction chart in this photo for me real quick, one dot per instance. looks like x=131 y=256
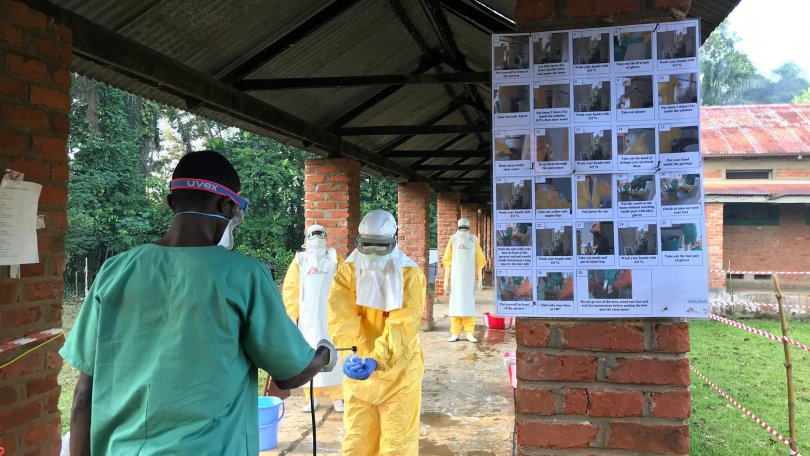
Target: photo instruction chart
x=597 y=175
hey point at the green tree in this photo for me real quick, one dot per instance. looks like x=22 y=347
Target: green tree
x=727 y=74
x=802 y=98
x=790 y=83
x=110 y=205
x=377 y=192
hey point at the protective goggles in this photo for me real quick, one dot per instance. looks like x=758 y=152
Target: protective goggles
x=464 y=228
x=317 y=234
x=375 y=245
x=187 y=183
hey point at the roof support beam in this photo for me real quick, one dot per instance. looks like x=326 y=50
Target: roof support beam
x=470 y=77
x=275 y=48
x=378 y=97
x=453 y=167
x=438 y=153
x=398 y=130
x=454 y=106
x=136 y=61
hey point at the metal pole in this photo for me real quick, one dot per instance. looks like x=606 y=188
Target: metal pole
x=788 y=367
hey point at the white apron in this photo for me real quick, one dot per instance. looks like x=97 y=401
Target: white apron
x=316 y=274
x=462 y=277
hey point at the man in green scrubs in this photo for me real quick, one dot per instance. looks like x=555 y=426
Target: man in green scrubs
x=170 y=337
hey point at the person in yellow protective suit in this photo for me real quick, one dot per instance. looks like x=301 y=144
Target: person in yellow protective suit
x=375 y=304
x=305 y=290
x=463 y=262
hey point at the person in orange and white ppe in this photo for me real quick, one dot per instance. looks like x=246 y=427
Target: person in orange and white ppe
x=376 y=304
x=305 y=291
x=464 y=262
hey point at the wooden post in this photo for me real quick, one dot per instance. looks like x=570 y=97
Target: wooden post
x=788 y=367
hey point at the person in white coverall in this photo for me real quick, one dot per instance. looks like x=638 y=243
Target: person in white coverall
x=376 y=303
x=305 y=290
x=463 y=261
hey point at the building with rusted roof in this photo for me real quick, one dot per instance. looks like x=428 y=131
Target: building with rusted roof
x=757 y=185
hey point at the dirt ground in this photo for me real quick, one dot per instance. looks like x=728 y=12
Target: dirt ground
x=467 y=402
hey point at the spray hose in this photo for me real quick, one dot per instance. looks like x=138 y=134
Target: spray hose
x=353 y=349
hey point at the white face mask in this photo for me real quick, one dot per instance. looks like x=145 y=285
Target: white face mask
x=315 y=243
x=227 y=236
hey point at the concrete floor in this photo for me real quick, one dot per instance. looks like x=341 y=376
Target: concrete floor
x=467 y=402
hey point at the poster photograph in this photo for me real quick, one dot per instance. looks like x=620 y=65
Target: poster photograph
x=512 y=152
x=551 y=54
x=635 y=195
x=591 y=52
x=555 y=244
x=679 y=145
x=592 y=102
x=636 y=148
x=555 y=292
x=513 y=247
x=632 y=49
x=678 y=96
x=511 y=105
x=552 y=150
x=552 y=102
x=510 y=57
x=513 y=198
x=553 y=198
x=593 y=148
x=634 y=98
x=638 y=243
x=677 y=46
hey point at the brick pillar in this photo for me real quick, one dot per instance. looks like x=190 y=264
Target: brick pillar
x=447 y=211
x=486 y=244
x=332 y=199
x=605 y=386
x=413 y=209
x=714 y=234
x=34 y=104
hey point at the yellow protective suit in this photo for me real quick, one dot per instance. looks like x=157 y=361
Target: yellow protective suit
x=382 y=412
x=290 y=294
x=467 y=319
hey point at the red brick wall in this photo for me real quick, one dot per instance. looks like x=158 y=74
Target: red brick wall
x=770 y=248
x=792 y=173
x=448 y=212
x=34 y=104
x=587 y=387
x=714 y=238
x=332 y=199
x=413 y=210
x=599 y=385
x=534 y=15
x=712 y=173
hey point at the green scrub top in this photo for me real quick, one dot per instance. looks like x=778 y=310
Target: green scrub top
x=172 y=337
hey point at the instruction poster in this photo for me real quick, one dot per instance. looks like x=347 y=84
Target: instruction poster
x=597 y=173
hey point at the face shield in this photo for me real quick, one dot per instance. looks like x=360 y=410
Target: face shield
x=375 y=246
x=378 y=234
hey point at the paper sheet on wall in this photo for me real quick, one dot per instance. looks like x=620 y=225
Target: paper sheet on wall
x=18 y=222
x=597 y=173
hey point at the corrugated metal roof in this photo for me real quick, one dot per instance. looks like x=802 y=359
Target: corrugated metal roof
x=366 y=37
x=774 y=188
x=777 y=129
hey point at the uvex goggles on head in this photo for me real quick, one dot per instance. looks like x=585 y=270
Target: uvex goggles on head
x=189 y=183
x=375 y=245
x=464 y=228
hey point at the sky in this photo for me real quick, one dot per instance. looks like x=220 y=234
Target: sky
x=772 y=32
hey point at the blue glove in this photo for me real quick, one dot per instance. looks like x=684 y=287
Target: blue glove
x=359 y=368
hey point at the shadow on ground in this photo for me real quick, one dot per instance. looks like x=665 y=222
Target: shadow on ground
x=467 y=403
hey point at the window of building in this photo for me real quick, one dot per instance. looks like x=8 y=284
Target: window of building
x=762 y=277
x=751 y=214
x=748 y=174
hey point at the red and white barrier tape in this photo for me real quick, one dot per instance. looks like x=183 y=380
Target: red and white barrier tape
x=723 y=271
x=798 y=344
x=36 y=337
x=745 y=410
x=758 y=332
